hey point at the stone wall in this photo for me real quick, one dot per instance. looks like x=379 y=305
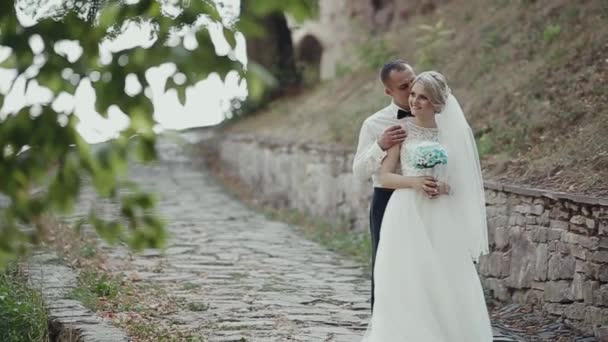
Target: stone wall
x=312 y=179
x=548 y=249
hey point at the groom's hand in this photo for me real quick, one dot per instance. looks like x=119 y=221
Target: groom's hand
x=391 y=136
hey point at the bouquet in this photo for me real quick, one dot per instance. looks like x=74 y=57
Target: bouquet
x=427 y=155
x=431 y=158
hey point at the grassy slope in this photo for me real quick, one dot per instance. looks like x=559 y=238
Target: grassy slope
x=532 y=77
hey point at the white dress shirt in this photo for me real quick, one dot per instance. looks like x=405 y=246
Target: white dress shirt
x=369 y=154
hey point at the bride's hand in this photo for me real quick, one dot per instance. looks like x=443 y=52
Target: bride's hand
x=426 y=184
x=444 y=188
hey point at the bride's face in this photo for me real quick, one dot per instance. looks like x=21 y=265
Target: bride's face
x=420 y=105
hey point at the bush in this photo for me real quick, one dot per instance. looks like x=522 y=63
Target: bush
x=551 y=32
x=374 y=53
x=431 y=42
x=23 y=315
x=485 y=145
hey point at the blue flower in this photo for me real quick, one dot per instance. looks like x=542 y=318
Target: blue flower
x=427 y=155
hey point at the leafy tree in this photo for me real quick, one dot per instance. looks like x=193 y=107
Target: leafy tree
x=43 y=158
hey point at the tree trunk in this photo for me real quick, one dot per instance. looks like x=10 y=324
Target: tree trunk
x=274 y=51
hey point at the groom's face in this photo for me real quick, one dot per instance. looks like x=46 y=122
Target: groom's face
x=398 y=86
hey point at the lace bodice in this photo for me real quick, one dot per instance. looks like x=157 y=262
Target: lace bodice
x=415 y=135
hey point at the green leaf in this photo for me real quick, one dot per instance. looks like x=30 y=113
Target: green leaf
x=180 y=89
x=142 y=123
x=145 y=148
x=109 y=230
x=181 y=94
x=10 y=62
x=229 y=34
x=251 y=27
x=258 y=80
x=58 y=156
x=109 y=15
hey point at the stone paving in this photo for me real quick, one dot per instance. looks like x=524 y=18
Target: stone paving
x=244 y=277
x=69 y=320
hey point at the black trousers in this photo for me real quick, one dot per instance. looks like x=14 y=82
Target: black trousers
x=376 y=212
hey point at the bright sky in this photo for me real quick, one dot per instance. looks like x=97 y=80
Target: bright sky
x=207 y=102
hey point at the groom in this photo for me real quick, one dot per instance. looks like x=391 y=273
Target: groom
x=379 y=132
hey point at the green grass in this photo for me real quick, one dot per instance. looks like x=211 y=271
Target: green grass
x=190 y=286
x=93 y=286
x=88 y=251
x=22 y=312
x=374 y=53
x=85 y=296
x=198 y=307
x=147 y=332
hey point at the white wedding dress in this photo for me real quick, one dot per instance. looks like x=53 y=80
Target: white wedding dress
x=427 y=288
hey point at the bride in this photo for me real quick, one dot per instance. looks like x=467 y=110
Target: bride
x=427 y=287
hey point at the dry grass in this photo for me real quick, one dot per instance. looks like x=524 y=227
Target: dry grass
x=532 y=77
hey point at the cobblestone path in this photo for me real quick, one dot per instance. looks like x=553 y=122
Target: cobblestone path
x=260 y=279
x=246 y=278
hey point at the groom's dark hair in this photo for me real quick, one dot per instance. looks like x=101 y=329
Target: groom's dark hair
x=396 y=65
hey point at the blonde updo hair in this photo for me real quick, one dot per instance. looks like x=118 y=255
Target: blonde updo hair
x=436 y=87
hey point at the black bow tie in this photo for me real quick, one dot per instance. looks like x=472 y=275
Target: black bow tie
x=403 y=113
